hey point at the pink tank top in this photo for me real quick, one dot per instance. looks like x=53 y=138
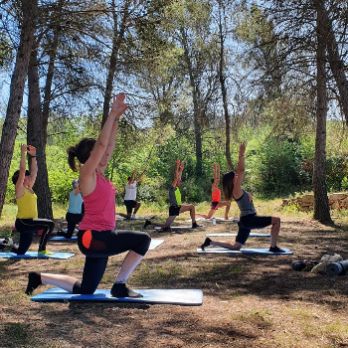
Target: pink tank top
x=99 y=206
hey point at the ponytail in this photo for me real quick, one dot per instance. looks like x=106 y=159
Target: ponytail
x=227 y=185
x=81 y=151
x=71 y=158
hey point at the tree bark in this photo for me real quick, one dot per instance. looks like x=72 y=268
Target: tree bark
x=197 y=107
x=224 y=96
x=116 y=42
x=336 y=62
x=49 y=77
x=35 y=138
x=9 y=130
x=321 y=201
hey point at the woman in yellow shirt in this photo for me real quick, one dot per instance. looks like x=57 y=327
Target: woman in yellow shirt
x=27 y=222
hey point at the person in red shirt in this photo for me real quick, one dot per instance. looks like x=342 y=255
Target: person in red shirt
x=216 y=201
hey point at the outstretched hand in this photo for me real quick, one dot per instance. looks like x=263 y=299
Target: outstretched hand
x=31 y=150
x=118 y=106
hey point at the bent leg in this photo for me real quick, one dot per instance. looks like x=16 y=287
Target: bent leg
x=191 y=208
x=275 y=231
x=137 y=206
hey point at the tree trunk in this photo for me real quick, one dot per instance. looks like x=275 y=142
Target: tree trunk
x=35 y=138
x=336 y=63
x=116 y=42
x=321 y=202
x=197 y=107
x=49 y=77
x=9 y=130
x=224 y=96
x=197 y=110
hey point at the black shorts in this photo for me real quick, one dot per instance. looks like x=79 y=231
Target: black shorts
x=250 y=222
x=130 y=204
x=174 y=210
x=214 y=205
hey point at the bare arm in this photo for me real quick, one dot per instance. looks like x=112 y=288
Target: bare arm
x=177 y=173
x=102 y=146
x=216 y=169
x=239 y=174
x=110 y=148
x=33 y=165
x=22 y=167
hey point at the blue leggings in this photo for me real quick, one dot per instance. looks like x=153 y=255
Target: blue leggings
x=99 y=246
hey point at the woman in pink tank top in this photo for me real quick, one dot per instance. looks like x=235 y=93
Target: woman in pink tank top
x=97 y=238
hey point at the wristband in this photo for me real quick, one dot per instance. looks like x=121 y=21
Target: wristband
x=32 y=156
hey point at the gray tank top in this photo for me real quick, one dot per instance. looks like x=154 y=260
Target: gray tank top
x=246 y=206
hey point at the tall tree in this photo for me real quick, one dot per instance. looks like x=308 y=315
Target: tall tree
x=118 y=30
x=335 y=58
x=29 y=12
x=35 y=137
x=321 y=202
x=222 y=78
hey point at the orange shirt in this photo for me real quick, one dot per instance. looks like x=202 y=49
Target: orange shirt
x=216 y=195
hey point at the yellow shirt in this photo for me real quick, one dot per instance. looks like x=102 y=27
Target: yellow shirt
x=27 y=205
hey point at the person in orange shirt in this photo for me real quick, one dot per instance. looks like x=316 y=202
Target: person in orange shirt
x=216 y=201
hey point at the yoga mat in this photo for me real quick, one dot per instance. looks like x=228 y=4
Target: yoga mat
x=63 y=239
x=176 y=228
x=245 y=251
x=153 y=245
x=186 y=297
x=252 y=234
x=218 y=220
x=34 y=255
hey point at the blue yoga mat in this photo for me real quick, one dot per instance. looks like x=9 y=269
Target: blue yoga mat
x=34 y=255
x=153 y=245
x=63 y=239
x=186 y=297
x=252 y=235
x=246 y=251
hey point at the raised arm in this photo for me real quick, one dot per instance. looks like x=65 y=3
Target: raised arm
x=22 y=167
x=105 y=143
x=216 y=169
x=177 y=174
x=239 y=174
x=33 y=165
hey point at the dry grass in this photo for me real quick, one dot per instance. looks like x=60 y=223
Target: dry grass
x=248 y=301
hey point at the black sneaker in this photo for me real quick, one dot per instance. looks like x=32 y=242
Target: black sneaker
x=147 y=223
x=195 y=225
x=34 y=281
x=165 y=229
x=206 y=243
x=121 y=290
x=275 y=249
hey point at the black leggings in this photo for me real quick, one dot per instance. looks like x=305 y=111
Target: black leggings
x=98 y=246
x=27 y=228
x=73 y=220
x=250 y=222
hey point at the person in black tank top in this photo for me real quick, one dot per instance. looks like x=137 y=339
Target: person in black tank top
x=249 y=220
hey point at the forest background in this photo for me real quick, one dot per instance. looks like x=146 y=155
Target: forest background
x=200 y=77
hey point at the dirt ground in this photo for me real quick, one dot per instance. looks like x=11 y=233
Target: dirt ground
x=248 y=301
